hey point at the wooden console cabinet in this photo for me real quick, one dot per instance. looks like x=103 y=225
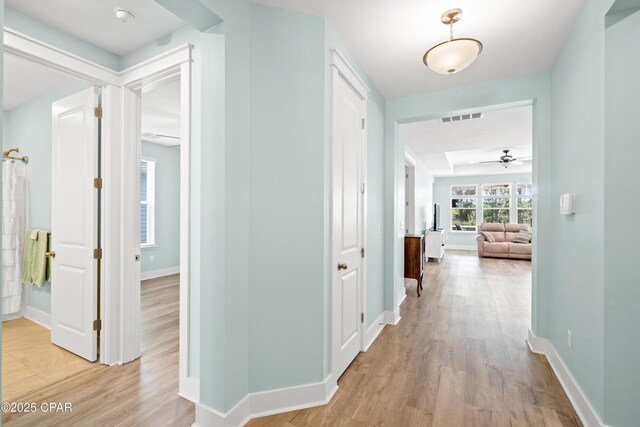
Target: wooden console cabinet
x=414 y=259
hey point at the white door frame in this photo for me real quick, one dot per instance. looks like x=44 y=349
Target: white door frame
x=410 y=188
x=341 y=69
x=118 y=343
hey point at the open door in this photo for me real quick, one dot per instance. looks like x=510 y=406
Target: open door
x=74 y=224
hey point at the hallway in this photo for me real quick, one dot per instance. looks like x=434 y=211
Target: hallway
x=458 y=357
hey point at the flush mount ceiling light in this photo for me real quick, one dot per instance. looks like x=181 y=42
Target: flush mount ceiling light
x=124 y=15
x=455 y=54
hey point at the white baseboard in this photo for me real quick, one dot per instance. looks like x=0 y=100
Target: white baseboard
x=266 y=403
x=374 y=330
x=159 y=273
x=581 y=404
x=37 y=316
x=189 y=388
x=392 y=317
x=462 y=248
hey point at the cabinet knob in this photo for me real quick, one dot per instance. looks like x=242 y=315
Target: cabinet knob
x=342 y=266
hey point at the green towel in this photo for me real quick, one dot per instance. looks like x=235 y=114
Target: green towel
x=36 y=268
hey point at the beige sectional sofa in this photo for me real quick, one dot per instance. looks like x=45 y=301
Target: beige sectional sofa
x=503 y=247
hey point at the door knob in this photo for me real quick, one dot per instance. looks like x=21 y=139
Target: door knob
x=51 y=254
x=342 y=266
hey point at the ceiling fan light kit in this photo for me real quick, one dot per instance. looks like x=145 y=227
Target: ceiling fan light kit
x=455 y=54
x=506 y=160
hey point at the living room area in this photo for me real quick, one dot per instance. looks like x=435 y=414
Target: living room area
x=469 y=193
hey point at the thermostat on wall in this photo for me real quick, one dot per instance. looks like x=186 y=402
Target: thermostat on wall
x=568 y=204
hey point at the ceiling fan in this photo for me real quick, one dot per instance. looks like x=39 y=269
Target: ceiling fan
x=507 y=160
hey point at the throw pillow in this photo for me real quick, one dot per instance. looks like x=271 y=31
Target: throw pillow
x=522 y=237
x=487 y=236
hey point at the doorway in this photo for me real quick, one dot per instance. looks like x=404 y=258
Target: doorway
x=121 y=116
x=49 y=125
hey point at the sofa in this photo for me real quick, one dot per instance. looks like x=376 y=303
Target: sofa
x=503 y=247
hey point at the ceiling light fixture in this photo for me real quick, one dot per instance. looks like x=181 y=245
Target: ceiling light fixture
x=455 y=54
x=125 y=16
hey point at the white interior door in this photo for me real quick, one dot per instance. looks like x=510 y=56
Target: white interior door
x=74 y=223
x=347 y=184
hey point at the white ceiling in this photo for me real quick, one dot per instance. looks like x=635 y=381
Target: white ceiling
x=94 y=22
x=160 y=122
x=389 y=38
x=456 y=148
x=25 y=80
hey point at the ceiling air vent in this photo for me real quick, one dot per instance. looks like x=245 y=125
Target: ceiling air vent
x=461 y=117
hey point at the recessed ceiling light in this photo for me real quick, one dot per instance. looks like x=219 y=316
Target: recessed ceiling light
x=125 y=16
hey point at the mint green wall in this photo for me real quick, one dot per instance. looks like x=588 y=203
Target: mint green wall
x=287 y=179
x=423 y=187
x=166 y=254
x=34 y=28
x=530 y=89
x=621 y=176
x=442 y=196
x=29 y=127
x=576 y=283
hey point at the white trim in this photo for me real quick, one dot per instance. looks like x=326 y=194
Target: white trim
x=350 y=75
x=402 y=296
x=37 y=51
x=461 y=247
x=37 y=316
x=154 y=70
x=154 y=274
x=392 y=317
x=409 y=160
x=581 y=404
x=262 y=404
x=374 y=330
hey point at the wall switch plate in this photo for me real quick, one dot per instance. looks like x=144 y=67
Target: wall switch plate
x=569 y=338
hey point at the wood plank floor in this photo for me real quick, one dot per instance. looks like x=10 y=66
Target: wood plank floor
x=140 y=393
x=458 y=357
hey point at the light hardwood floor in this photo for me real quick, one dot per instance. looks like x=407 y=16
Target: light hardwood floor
x=140 y=393
x=458 y=357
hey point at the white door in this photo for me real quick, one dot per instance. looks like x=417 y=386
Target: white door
x=74 y=223
x=347 y=189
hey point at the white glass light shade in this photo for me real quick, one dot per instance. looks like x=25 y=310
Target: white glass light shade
x=452 y=56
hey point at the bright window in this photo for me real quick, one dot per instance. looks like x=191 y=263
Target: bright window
x=147 y=202
x=524 y=203
x=464 y=202
x=496 y=202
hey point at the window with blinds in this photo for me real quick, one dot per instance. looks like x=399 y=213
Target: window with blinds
x=147 y=202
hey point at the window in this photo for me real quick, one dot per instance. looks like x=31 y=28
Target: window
x=496 y=202
x=464 y=202
x=524 y=203
x=147 y=202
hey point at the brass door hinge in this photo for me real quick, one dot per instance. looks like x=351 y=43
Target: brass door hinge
x=97 y=253
x=97 y=182
x=97 y=325
x=97 y=112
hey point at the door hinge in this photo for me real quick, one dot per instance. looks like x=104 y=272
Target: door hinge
x=362 y=252
x=97 y=182
x=361 y=317
x=97 y=253
x=97 y=325
x=362 y=188
x=97 y=112
x=362 y=123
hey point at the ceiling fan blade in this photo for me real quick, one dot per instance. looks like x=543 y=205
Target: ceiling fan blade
x=524 y=158
x=517 y=162
x=492 y=161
